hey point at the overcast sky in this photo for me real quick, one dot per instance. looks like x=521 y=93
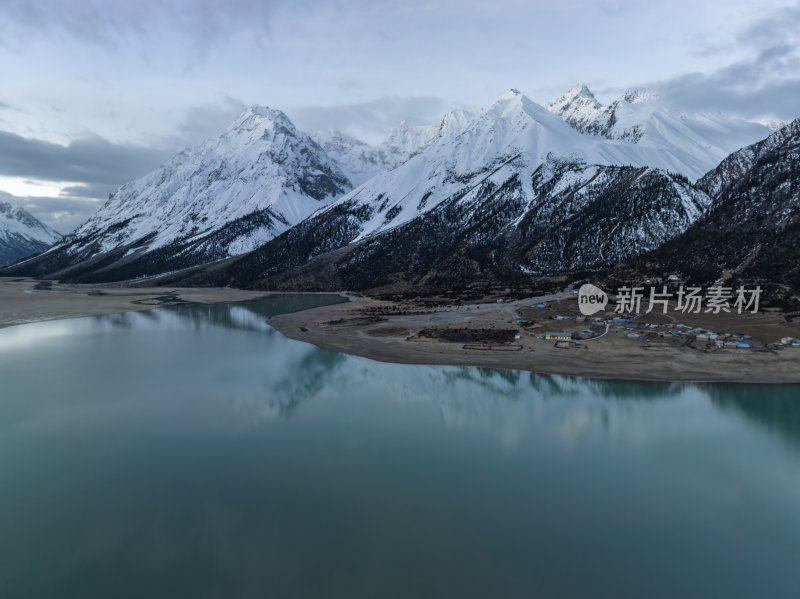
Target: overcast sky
x=96 y=92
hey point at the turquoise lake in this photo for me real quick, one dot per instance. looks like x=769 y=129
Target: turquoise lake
x=193 y=451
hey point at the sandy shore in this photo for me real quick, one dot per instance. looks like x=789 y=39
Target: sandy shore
x=27 y=300
x=354 y=328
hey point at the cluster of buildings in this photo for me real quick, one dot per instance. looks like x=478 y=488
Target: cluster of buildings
x=698 y=337
x=651 y=331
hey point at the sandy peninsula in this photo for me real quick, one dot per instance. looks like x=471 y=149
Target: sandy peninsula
x=509 y=335
x=25 y=300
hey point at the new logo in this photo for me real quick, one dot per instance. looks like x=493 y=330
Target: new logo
x=591 y=299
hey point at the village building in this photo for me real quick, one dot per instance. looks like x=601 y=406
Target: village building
x=558 y=336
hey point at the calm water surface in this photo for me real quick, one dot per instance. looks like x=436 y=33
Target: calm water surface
x=195 y=452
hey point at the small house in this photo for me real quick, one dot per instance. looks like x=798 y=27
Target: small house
x=558 y=336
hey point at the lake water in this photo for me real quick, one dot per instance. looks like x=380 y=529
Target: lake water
x=195 y=452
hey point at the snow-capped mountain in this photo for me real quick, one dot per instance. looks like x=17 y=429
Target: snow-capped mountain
x=226 y=197
x=518 y=190
x=749 y=234
x=21 y=234
x=512 y=191
x=691 y=144
x=511 y=138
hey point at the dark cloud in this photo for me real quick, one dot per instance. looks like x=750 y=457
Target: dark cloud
x=95 y=166
x=372 y=119
x=706 y=93
x=767 y=83
x=90 y=161
x=203 y=23
x=779 y=26
x=98 y=191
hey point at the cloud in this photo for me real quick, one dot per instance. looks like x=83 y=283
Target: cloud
x=98 y=191
x=202 y=23
x=204 y=122
x=370 y=120
x=765 y=83
x=91 y=160
x=95 y=166
x=64 y=214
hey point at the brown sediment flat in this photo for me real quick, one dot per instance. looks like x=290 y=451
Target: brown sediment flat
x=27 y=300
x=613 y=356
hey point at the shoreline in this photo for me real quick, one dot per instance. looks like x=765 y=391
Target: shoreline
x=390 y=332
x=27 y=301
x=343 y=328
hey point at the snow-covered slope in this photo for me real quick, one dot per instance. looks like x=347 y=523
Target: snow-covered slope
x=21 y=234
x=359 y=161
x=406 y=141
x=512 y=137
x=226 y=197
x=690 y=143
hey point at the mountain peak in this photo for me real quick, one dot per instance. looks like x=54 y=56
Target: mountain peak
x=511 y=94
x=514 y=104
x=639 y=96
x=580 y=89
x=579 y=96
x=257 y=116
x=325 y=136
x=578 y=107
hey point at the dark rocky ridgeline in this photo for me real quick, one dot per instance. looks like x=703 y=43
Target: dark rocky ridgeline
x=571 y=218
x=16 y=248
x=90 y=263
x=751 y=232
